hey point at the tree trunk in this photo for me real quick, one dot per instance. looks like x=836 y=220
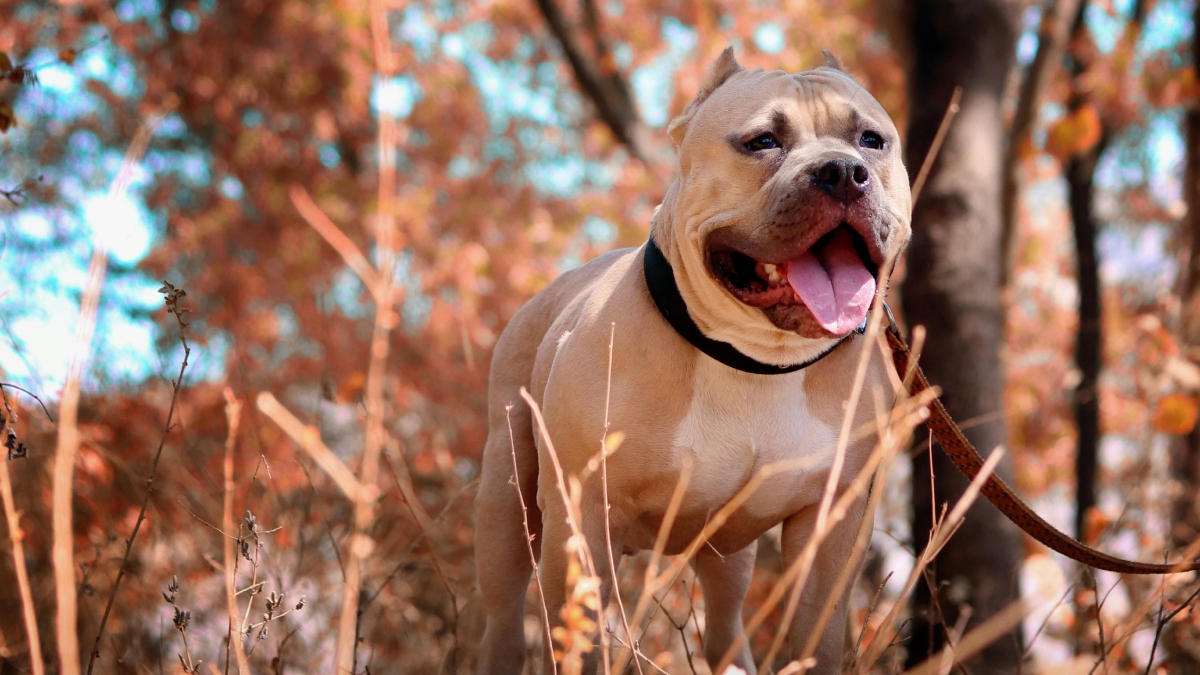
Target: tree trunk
x=1080 y=171
x=953 y=288
x=1180 y=640
x=1185 y=462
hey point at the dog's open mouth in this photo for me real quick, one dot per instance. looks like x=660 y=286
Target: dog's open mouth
x=834 y=279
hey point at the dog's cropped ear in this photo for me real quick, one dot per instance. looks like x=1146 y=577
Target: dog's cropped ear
x=721 y=70
x=832 y=61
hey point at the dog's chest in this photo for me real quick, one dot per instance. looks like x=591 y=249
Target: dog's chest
x=738 y=425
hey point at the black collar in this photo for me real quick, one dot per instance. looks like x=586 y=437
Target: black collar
x=660 y=278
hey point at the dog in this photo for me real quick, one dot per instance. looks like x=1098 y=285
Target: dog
x=734 y=345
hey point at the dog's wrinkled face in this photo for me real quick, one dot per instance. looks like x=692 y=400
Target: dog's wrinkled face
x=791 y=193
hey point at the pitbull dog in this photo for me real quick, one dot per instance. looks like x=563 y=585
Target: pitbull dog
x=789 y=194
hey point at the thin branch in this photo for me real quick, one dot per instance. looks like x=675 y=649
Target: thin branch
x=333 y=234
x=31 y=395
x=983 y=635
x=68 y=432
x=172 y=298
x=612 y=564
x=537 y=575
x=309 y=438
x=936 y=147
x=1052 y=36
x=1164 y=620
x=15 y=537
x=608 y=91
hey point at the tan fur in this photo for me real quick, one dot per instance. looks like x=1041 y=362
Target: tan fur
x=673 y=402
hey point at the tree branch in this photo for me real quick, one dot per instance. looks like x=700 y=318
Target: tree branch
x=1057 y=17
x=598 y=77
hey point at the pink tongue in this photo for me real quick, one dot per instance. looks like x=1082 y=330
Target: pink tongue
x=834 y=284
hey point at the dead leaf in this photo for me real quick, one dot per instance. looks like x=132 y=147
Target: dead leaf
x=1176 y=414
x=1075 y=133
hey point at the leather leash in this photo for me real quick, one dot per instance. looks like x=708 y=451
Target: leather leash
x=968 y=460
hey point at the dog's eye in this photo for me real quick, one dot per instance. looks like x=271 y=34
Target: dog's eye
x=871 y=140
x=762 y=142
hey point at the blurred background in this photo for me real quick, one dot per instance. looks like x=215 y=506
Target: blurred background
x=470 y=152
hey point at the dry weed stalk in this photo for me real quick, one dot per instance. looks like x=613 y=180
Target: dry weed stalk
x=172 y=297
x=1133 y=620
x=537 y=575
x=612 y=566
x=182 y=619
x=582 y=579
x=380 y=281
x=904 y=417
x=233 y=415
x=63 y=553
x=981 y=636
x=309 y=439
x=15 y=537
x=943 y=529
x=63 y=550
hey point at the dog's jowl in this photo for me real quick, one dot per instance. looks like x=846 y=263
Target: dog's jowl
x=734 y=346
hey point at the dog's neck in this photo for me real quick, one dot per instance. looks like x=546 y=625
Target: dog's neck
x=660 y=279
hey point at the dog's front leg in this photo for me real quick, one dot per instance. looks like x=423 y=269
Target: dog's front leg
x=558 y=552
x=832 y=556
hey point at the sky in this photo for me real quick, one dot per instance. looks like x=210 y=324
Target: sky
x=39 y=298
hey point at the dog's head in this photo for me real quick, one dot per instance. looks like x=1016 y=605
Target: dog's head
x=791 y=193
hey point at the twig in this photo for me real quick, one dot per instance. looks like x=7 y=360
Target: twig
x=612 y=565
x=936 y=146
x=31 y=395
x=943 y=530
x=309 y=438
x=983 y=635
x=660 y=543
x=413 y=545
x=173 y=295
x=608 y=92
x=1164 y=620
x=1052 y=35
x=852 y=658
x=537 y=575
x=335 y=237
x=337 y=554
x=862 y=540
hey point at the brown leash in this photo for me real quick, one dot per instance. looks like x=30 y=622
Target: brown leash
x=967 y=459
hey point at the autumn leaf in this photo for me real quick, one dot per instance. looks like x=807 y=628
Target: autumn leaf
x=1175 y=414
x=67 y=56
x=1075 y=133
x=1095 y=523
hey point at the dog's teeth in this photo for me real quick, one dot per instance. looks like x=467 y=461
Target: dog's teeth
x=768 y=268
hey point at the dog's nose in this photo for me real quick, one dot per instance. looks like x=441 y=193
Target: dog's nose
x=843 y=178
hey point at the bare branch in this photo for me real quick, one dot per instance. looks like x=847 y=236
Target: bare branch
x=15 y=537
x=310 y=439
x=599 y=78
x=1052 y=36
x=335 y=237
